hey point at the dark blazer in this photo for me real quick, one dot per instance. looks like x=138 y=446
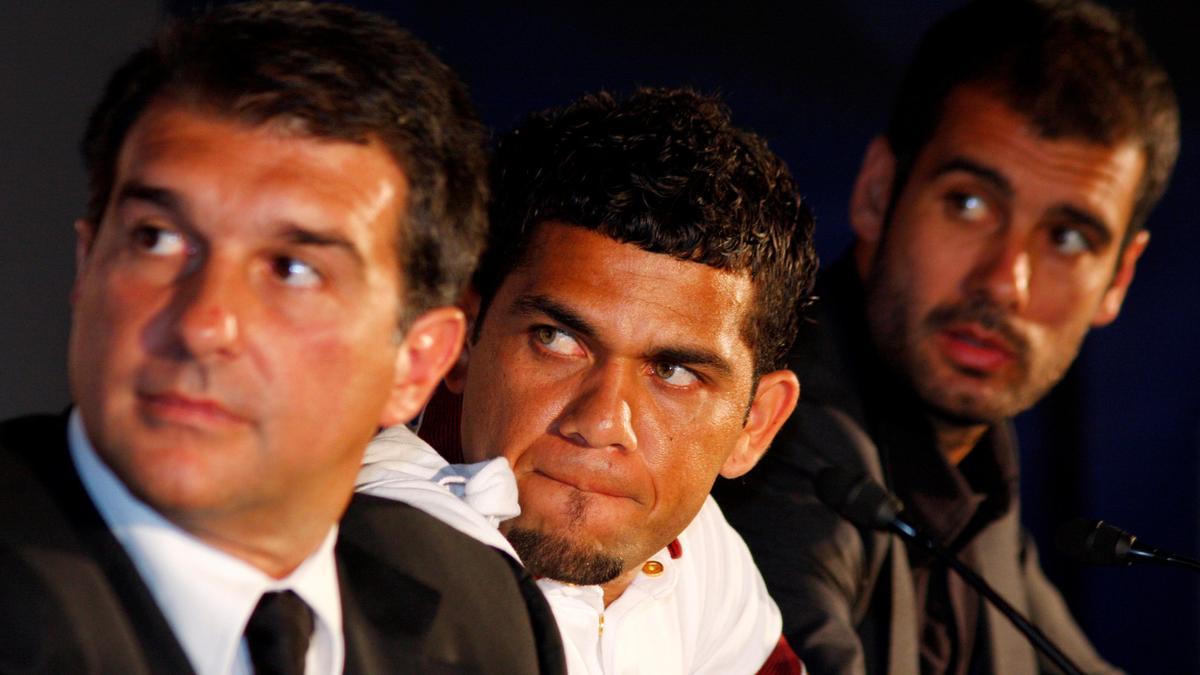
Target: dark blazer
x=417 y=596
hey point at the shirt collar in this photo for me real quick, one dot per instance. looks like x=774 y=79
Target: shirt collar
x=658 y=577
x=206 y=594
x=952 y=503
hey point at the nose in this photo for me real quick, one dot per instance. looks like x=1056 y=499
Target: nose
x=601 y=415
x=208 y=305
x=1003 y=274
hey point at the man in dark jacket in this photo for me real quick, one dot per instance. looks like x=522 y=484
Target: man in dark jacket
x=997 y=220
x=285 y=201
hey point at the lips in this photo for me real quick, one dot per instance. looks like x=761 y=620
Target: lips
x=188 y=410
x=585 y=482
x=970 y=347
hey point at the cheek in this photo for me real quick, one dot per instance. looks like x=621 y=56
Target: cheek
x=1065 y=299
x=108 y=323
x=509 y=401
x=687 y=455
x=331 y=373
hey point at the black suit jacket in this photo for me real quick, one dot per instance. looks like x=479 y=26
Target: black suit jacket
x=417 y=596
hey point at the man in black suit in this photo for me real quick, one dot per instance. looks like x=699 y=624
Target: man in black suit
x=285 y=201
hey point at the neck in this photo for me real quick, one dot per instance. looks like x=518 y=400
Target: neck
x=614 y=588
x=955 y=440
x=274 y=547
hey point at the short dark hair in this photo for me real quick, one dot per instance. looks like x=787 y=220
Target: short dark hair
x=665 y=170
x=1072 y=67
x=326 y=71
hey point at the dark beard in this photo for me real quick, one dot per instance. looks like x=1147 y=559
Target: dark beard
x=555 y=557
x=886 y=302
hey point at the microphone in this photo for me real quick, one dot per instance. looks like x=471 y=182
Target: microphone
x=1095 y=542
x=868 y=505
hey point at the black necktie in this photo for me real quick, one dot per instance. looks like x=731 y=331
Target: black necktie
x=278 y=633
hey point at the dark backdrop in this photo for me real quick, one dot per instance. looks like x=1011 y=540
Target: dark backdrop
x=1118 y=439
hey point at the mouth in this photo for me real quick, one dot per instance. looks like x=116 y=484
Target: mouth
x=975 y=349
x=178 y=408
x=585 y=484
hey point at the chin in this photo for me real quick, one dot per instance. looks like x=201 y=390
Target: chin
x=563 y=558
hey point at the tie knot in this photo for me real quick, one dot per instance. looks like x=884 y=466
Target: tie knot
x=278 y=633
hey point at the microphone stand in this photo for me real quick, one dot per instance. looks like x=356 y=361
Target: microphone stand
x=867 y=504
x=1155 y=555
x=1035 y=636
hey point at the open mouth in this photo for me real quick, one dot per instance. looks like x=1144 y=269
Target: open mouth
x=972 y=348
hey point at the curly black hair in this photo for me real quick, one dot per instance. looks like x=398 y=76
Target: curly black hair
x=326 y=71
x=665 y=170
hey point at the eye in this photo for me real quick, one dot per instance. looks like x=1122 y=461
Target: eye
x=556 y=340
x=295 y=272
x=158 y=241
x=1070 y=241
x=674 y=375
x=967 y=206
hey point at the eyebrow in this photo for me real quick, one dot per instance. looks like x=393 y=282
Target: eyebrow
x=984 y=173
x=1004 y=187
x=140 y=192
x=560 y=313
x=301 y=236
x=541 y=304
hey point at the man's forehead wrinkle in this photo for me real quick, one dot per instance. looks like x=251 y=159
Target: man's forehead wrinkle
x=160 y=153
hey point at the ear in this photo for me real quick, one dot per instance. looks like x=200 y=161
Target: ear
x=456 y=379
x=773 y=403
x=85 y=238
x=1114 y=297
x=869 y=200
x=427 y=351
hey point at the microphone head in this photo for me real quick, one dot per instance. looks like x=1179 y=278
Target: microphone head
x=1094 y=542
x=857 y=498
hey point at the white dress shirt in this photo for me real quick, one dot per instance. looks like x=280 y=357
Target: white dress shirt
x=707 y=611
x=205 y=594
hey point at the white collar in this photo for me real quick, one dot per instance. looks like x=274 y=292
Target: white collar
x=206 y=594
x=657 y=578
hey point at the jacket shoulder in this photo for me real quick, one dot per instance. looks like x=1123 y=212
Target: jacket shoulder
x=455 y=600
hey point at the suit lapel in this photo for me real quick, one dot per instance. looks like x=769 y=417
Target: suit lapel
x=996 y=561
x=82 y=565
x=903 y=658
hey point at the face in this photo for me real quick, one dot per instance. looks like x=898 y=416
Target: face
x=617 y=384
x=1003 y=249
x=235 y=340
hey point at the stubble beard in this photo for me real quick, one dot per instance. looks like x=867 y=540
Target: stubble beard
x=558 y=557
x=900 y=346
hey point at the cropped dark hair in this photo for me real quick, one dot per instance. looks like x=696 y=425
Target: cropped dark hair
x=665 y=170
x=326 y=71
x=1073 y=68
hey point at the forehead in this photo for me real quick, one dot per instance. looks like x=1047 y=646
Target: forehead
x=262 y=173
x=635 y=296
x=980 y=127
